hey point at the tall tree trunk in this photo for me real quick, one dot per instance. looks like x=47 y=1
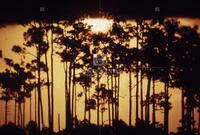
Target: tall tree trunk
x=102 y=118
x=35 y=101
x=137 y=80
x=115 y=94
x=48 y=93
x=24 y=114
x=66 y=94
x=130 y=98
x=38 y=85
x=42 y=112
x=141 y=94
x=118 y=96
x=147 y=107
x=6 y=111
x=52 y=83
x=154 y=107
x=85 y=109
x=108 y=88
x=182 y=110
x=73 y=91
x=112 y=89
x=98 y=105
x=89 y=108
x=30 y=105
x=166 y=110
x=18 y=115
x=69 y=91
x=75 y=102
x=15 y=117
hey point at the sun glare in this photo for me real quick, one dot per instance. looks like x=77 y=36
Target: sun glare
x=99 y=25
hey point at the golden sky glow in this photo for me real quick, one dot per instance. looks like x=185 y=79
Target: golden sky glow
x=99 y=24
x=13 y=35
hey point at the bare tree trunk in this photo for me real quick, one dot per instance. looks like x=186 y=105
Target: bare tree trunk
x=66 y=94
x=112 y=103
x=69 y=97
x=137 y=81
x=102 y=118
x=89 y=108
x=182 y=110
x=141 y=94
x=147 y=107
x=24 y=114
x=30 y=105
x=35 y=103
x=15 y=117
x=38 y=85
x=108 y=87
x=18 y=115
x=73 y=91
x=130 y=98
x=98 y=105
x=166 y=110
x=41 y=109
x=48 y=93
x=52 y=83
x=85 y=92
x=154 y=109
x=115 y=94
x=118 y=96
x=6 y=111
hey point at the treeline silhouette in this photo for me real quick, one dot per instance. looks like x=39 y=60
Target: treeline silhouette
x=165 y=51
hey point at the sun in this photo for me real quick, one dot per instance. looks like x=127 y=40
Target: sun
x=99 y=25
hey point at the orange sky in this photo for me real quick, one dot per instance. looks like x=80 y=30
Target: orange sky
x=13 y=35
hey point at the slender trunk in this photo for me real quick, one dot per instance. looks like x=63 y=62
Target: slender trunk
x=15 y=117
x=137 y=82
x=147 y=107
x=154 y=107
x=130 y=98
x=24 y=113
x=102 y=118
x=69 y=96
x=118 y=96
x=166 y=110
x=108 y=87
x=66 y=94
x=30 y=105
x=6 y=111
x=35 y=104
x=112 y=103
x=98 y=87
x=38 y=85
x=59 y=122
x=73 y=89
x=89 y=108
x=42 y=112
x=141 y=94
x=85 y=109
x=75 y=101
x=48 y=93
x=18 y=115
x=115 y=95
x=182 y=110
x=52 y=84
